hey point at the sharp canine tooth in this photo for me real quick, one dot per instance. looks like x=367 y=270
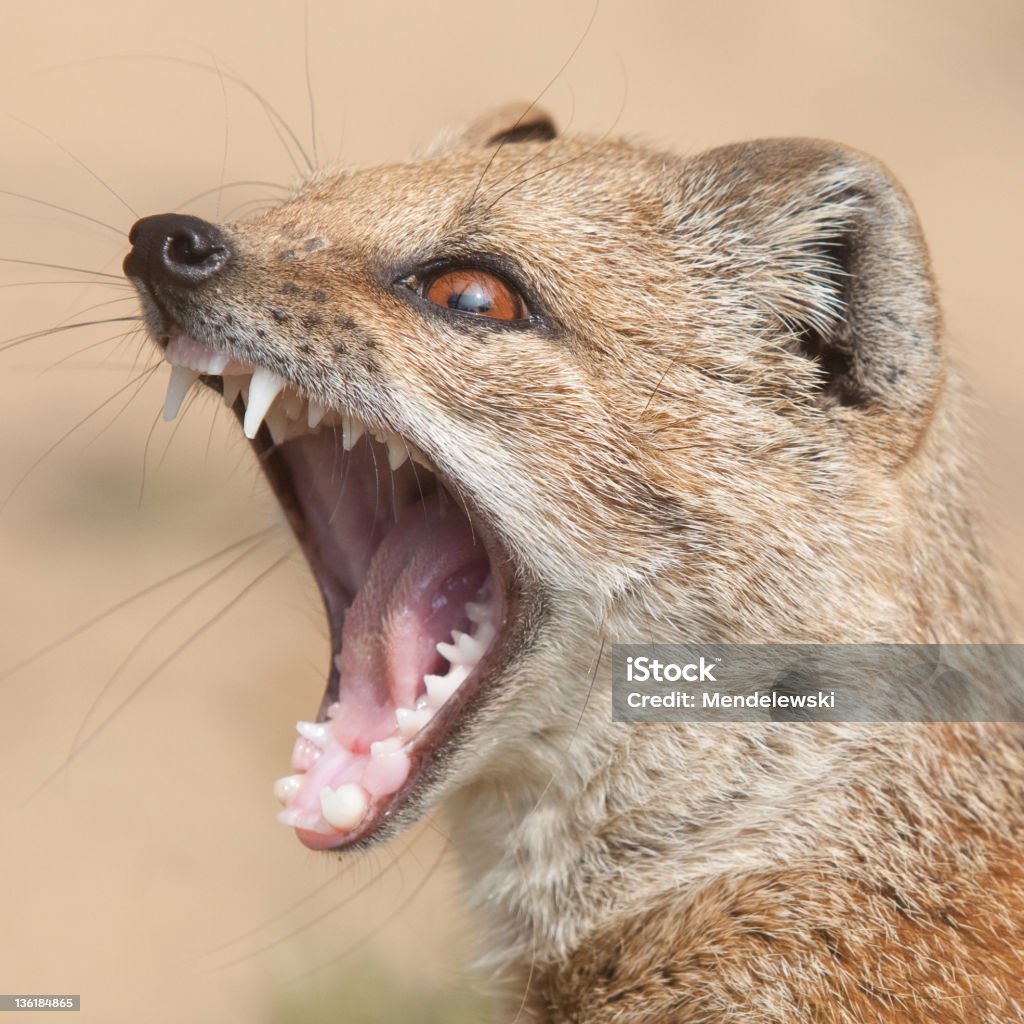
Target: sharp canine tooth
x=398 y=452
x=315 y=732
x=278 y=424
x=263 y=389
x=314 y=414
x=345 y=806
x=286 y=787
x=182 y=378
x=232 y=388
x=411 y=720
x=352 y=428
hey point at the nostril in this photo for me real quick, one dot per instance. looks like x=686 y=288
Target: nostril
x=192 y=248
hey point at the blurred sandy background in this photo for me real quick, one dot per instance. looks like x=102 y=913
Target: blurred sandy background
x=151 y=877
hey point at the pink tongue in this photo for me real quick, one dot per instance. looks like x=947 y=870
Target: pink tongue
x=427 y=567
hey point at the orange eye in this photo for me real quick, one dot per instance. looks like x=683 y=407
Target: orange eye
x=476 y=291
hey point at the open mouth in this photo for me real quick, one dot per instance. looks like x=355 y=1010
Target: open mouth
x=418 y=589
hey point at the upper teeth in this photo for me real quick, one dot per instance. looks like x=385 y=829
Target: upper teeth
x=398 y=450
x=287 y=414
x=269 y=399
x=263 y=389
x=314 y=414
x=182 y=378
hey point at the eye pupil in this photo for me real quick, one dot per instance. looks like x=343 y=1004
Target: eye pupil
x=473 y=300
x=476 y=292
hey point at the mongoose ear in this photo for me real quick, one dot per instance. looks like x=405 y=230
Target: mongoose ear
x=827 y=244
x=513 y=122
x=510 y=123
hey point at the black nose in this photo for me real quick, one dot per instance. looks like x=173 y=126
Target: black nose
x=177 y=250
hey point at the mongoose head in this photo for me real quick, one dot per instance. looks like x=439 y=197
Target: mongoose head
x=527 y=395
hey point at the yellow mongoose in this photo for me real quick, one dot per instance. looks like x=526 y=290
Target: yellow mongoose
x=528 y=396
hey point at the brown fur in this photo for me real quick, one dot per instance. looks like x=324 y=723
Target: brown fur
x=737 y=423
x=927 y=927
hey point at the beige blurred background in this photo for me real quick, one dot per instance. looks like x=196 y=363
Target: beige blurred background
x=150 y=876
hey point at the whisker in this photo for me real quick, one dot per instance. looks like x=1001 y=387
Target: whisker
x=86 y=348
x=209 y=624
x=119 y=278
x=144 y=350
x=60 y=440
x=416 y=477
x=561 y=163
x=131 y=398
x=29 y=284
x=461 y=498
x=165 y=618
x=232 y=184
x=309 y=83
x=93 y=366
x=214 y=419
x=227 y=134
x=81 y=163
x=124 y=602
x=306 y=925
x=61 y=328
x=400 y=909
x=346 y=459
x=145 y=455
x=252 y=206
x=570 y=160
x=101 y=305
x=82 y=312
x=376 y=476
x=178 y=420
x=277 y=122
x=539 y=96
x=64 y=209
x=540 y=151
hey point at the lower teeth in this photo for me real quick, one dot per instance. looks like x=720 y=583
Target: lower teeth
x=344 y=807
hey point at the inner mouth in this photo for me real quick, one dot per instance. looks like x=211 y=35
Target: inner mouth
x=418 y=591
